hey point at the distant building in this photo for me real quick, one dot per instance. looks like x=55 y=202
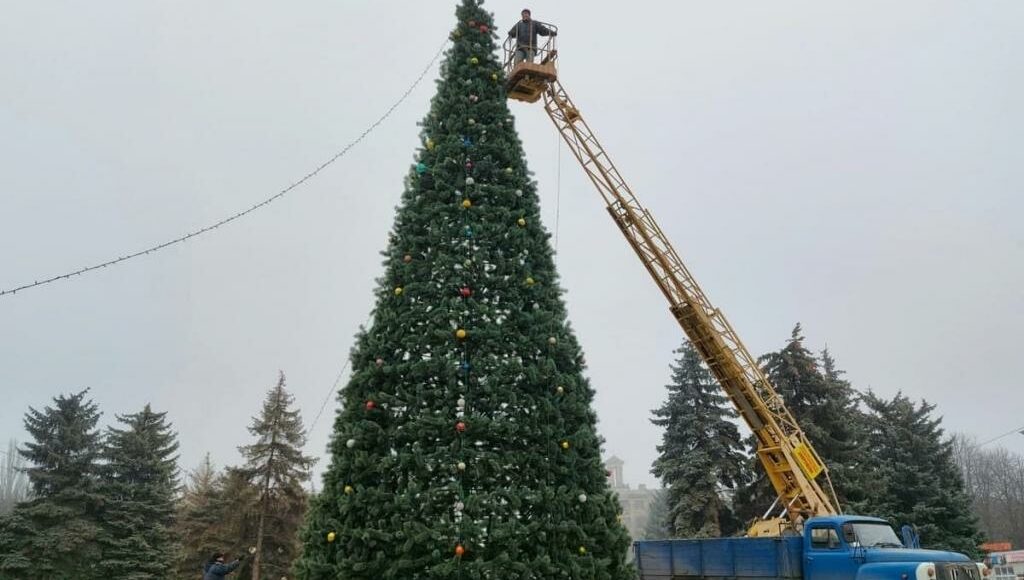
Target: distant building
x=636 y=503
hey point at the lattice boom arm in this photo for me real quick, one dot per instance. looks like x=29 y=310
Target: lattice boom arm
x=789 y=459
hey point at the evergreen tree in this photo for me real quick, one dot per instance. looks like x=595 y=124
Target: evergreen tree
x=277 y=468
x=55 y=535
x=656 y=527
x=200 y=524
x=701 y=451
x=139 y=482
x=466 y=445
x=914 y=476
x=825 y=406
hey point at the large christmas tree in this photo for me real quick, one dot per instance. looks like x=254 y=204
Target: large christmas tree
x=466 y=446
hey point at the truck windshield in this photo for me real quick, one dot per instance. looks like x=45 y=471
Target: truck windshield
x=874 y=535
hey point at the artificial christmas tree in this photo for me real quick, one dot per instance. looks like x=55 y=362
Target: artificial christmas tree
x=466 y=446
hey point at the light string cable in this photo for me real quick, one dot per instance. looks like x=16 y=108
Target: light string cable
x=243 y=213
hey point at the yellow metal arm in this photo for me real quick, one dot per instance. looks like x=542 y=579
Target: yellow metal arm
x=792 y=464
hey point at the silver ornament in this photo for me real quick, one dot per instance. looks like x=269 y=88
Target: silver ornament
x=583 y=498
x=350 y=443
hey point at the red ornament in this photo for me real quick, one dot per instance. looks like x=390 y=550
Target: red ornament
x=465 y=292
x=483 y=28
x=370 y=405
x=459 y=551
x=460 y=427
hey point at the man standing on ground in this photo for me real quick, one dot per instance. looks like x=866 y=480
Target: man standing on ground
x=216 y=569
x=525 y=32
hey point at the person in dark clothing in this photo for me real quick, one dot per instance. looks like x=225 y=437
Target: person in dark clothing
x=216 y=569
x=525 y=32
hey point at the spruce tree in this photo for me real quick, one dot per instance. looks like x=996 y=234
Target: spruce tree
x=656 y=527
x=701 y=453
x=139 y=484
x=915 y=479
x=56 y=534
x=276 y=468
x=200 y=523
x=466 y=446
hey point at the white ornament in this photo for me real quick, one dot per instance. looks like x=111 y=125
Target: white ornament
x=467 y=263
x=350 y=443
x=472 y=121
x=560 y=389
x=461 y=403
x=461 y=466
x=552 y=340
x=536 y=306
x=519 y=192
x=582 y=498
x=470 y=181
x=459 y=506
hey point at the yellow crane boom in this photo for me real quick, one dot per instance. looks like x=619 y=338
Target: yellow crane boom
x=792 y=464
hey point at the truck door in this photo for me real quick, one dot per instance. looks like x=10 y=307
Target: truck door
x=827 y=557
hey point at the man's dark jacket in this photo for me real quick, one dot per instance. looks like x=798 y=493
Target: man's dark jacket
x=526 y=33
x=217 y=570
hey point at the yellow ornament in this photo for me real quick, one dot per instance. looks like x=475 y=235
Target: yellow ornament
x=565 y=444
x=398 y=291
x=461 y=333
x=494 y=76
x=430 y=144
x=330 y=537
x=349 y=490
x=474 y=60
x=466 y=203
x=521 y=222
x=530 y=281
x=583 y=550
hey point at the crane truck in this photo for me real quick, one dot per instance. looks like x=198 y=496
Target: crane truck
x=803 y=535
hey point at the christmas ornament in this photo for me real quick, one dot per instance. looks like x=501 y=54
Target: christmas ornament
x=521 y=222
x=530 y=281
x=519 y=193
x=582 y=498
x=508 y=170
x=565 y=444
x=560 y=389
x=407 y=258
x=459 y=506
x=330 y=537
x=483 y=28
x=472 y=23
x=350 y=443
x=536 y=306
x=370 y=405
x=470 y=181
x=430 y=144
x=465 y=292
x=421 y=168
x=468 y=231
x=461 y=334
x=467 y=142
x=472 y=121
x=461 y=466
x=398 y=291
x=467 y=262
x=466 y=203
x=459 y=551
x=473 y=98
x=457 y=33
x=469 y=165
x=465 y=365
x=583 y=550
x=460 y=427
x=461 y=403
x=494 y=76
x=552 y=340
x=379 y=362
x=474 y=60
x=349 y=490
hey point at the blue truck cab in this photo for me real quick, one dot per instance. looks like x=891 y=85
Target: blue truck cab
x=831 y=548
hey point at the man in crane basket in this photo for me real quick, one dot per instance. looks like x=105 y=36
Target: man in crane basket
x=525 y=32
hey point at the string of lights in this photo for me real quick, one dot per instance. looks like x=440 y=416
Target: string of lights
x=243 y=213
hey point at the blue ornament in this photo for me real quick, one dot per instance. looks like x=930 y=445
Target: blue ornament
x=467 y=142
x=468 y=232
x=465 y=365
x=421 y=168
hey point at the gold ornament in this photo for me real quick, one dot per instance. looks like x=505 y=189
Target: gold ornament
x=560 y=390
x=521 y=222
x=530 y=281
x=494 y=76
x=430 y=144
x=474 y=60
x=461 y=334
x=349 y=490
x=466 y=203
x=330 y=537
x=398 y=291
x=583 y=550
x=565 y=444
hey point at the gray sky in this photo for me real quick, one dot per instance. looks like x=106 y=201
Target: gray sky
x=854 y=166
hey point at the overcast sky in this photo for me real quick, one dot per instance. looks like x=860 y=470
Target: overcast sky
x=854 y=166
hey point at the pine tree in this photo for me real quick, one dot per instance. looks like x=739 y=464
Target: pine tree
x=277 y=468
x=915 y=479
x=825 y=406
x=466 y=445
x=200 y=524
x=656 y=527
x=55 y=535
x=139 y=483
x=701 y=453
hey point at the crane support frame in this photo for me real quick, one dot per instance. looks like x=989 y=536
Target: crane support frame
x=789 y=459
